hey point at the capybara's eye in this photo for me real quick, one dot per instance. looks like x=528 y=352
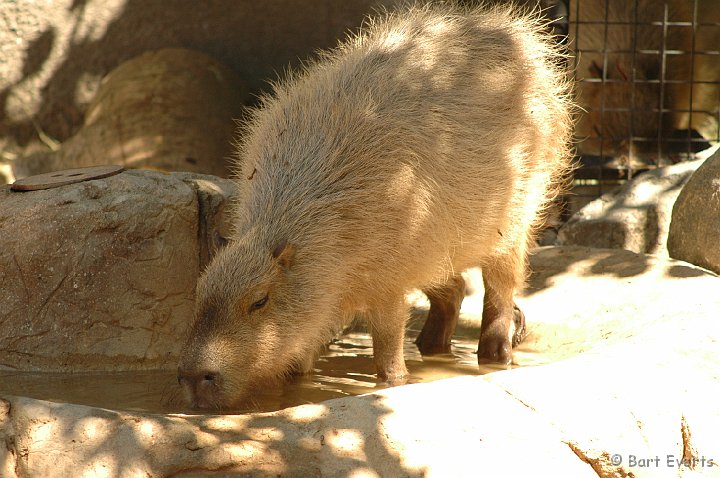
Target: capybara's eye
x=259 y=304
x=596 y=70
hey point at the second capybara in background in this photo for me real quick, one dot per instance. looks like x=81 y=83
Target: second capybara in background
x=637 y=77
x=429 y=143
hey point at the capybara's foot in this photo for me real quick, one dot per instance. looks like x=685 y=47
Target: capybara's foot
x=495 y=349
x=429 y=344
x=387 y=327
x=494 y=345
x=520 y=330
x=399 y=377
x=392 y=370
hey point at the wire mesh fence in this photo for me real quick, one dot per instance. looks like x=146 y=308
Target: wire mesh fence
x=648 y=80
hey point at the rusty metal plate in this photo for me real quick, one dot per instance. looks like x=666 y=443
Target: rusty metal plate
x=67 y=176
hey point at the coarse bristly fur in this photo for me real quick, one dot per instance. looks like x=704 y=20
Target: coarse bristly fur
x=427 y=144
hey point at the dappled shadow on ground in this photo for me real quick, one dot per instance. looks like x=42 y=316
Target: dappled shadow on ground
x=550 y=263
x=47 y=439
x=680 y=271
x=546 y=263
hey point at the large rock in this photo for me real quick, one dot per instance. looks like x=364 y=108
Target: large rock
x=695 y=229
x=172 y=109
x=101 y=275
x=635 y=216
x=639 y=401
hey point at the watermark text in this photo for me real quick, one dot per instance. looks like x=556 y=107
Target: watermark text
x=664 y=461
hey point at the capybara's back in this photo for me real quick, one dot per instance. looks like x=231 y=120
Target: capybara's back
x=427 y=144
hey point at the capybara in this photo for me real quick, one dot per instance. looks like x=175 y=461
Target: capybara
x=637 y=77
x=427 y=144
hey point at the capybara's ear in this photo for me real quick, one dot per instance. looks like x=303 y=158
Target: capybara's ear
x=284 y=253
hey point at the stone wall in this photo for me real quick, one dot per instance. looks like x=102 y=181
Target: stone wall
x=100 y=275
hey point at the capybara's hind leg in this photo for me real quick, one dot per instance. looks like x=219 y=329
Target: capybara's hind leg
x=387 y=327
x=442 y=318
x=501 y=317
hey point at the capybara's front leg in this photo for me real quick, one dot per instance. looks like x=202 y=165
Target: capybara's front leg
x=442 y=318
x=499 y=314
x=387 y=327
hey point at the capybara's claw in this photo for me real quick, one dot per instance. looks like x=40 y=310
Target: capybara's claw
x=394 y=378
x=520 y=329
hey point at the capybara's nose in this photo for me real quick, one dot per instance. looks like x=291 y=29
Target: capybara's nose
x=197 y=379
x=202 y=385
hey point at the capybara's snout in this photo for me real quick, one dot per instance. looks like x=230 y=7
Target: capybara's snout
x=201 y=385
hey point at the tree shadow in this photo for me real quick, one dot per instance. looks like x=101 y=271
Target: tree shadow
x=313 y=440
x=635 y=216
x=550 y=262
x=37 y=53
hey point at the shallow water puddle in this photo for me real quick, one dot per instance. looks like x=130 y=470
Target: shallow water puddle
x=345 y=369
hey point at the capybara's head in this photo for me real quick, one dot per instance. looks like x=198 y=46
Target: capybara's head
x=621 y=116
x=248 y=329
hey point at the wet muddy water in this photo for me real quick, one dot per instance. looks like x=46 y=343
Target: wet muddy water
x=346 y=368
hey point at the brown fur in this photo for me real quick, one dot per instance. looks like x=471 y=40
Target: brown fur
x=427 y=144
x=633 y=84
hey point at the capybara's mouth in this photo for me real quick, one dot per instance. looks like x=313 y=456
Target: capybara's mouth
x=216 y=402
x=211 y=393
